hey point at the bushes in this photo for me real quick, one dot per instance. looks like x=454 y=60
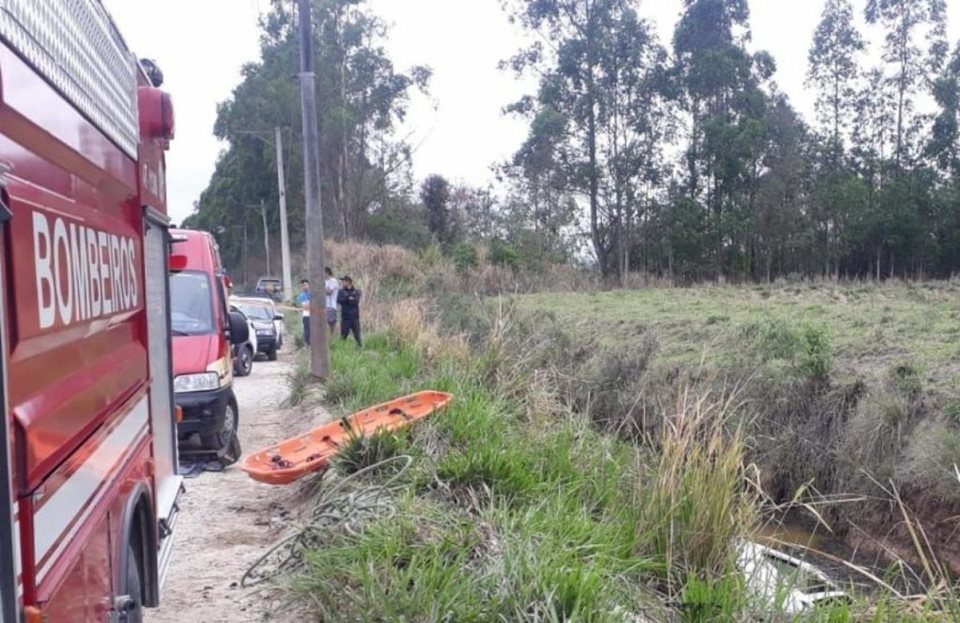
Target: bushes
x=502 y=254
x=930 y=461
x=806 y=349
x=465 y=257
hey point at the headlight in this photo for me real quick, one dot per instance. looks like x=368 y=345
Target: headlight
x=187 y=383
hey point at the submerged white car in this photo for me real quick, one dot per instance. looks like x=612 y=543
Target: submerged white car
x=783 y=582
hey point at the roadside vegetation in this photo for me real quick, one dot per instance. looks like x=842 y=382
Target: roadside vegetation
x=606 y=450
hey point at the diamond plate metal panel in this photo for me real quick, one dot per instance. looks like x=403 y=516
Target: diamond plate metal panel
x=74 y=45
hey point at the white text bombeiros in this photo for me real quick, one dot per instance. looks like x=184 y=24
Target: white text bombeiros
x=82 y=273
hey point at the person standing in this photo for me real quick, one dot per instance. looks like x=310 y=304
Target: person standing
x=303 y=300
x=332 y=286
x=349 y=300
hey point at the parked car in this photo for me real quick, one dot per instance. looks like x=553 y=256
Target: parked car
x=267 y=323
x=245 y=352
x=274 y=312
x=271 y=287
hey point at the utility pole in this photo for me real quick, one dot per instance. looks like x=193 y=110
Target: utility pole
x=319 y=350
x=284 y=239
x=266 y=234
x=246 y=254
x=282 y=190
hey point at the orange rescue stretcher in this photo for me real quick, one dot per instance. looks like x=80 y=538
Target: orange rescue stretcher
x=294 y=458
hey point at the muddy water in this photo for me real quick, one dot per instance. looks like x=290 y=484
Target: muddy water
x=835 y=557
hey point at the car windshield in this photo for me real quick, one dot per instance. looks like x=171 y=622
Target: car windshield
x=256 y=312
x=191 y=303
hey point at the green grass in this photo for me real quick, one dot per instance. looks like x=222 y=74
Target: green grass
x=870 y=328
x=518 y=509
x=370 y=375
x=509 y=521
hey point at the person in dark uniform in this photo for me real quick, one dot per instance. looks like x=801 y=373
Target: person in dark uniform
x=348 y=298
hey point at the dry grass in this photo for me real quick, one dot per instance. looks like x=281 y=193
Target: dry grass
x=406 y=320
x=385 y=262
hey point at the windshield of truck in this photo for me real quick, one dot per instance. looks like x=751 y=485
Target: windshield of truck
x=191 y=303
x=256 y=312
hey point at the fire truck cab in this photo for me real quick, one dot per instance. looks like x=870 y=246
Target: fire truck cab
x=205 y=332
x=88 y=457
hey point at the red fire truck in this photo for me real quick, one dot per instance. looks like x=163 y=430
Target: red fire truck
x=88 y=463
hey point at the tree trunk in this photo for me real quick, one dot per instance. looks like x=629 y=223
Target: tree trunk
x=692 y=156
x=341 y=169
x=360 y=201
x=598 y=243
x=836 y=117
x=902 y=88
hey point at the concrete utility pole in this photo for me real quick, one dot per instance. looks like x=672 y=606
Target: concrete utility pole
x=284 y=236
x=319 y=350
x=282 y=190
x=266 y=234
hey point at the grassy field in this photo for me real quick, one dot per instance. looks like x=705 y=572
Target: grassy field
x=871 y=329
x=528 y=500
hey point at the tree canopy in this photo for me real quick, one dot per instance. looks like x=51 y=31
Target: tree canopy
x=680 y=158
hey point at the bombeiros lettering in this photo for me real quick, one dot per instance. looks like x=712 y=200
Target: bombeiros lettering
x=82 y=273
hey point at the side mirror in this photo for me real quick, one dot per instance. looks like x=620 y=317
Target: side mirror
x=239 y=329
x=278 y=317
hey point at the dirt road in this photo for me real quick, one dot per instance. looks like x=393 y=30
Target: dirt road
x=227 y=519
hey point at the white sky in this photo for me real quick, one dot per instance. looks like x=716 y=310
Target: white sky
x=459 y=131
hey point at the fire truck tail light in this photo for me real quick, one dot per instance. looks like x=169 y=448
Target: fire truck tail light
x=178 y=262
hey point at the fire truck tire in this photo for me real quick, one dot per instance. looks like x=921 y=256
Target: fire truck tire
x=134 y=612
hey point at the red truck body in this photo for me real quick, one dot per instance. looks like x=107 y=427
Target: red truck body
x=202 y=348
x=84 y=337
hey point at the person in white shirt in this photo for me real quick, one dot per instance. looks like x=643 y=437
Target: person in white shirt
x=331 y=286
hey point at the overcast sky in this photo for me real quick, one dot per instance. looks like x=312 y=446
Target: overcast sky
x=458 y=131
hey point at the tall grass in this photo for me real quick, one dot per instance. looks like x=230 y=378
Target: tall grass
x=520 y=516
x=695 y=502
x=523 y=506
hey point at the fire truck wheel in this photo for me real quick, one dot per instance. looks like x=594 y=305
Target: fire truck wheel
x=134 y=613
